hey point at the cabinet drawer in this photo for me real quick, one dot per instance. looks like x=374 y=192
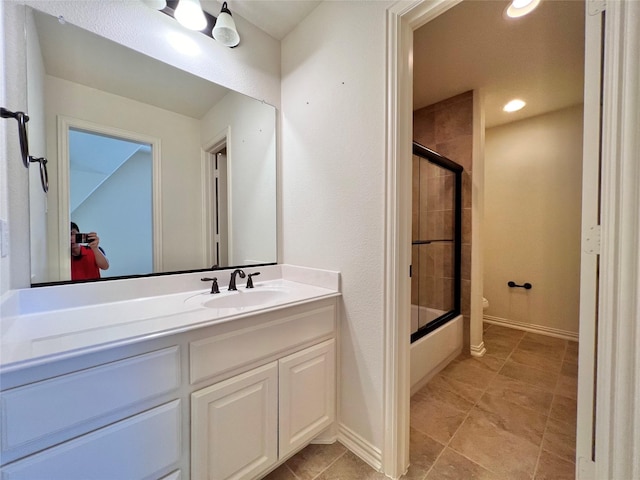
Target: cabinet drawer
x=141 y=447
x=216 y=355
x=44 y=413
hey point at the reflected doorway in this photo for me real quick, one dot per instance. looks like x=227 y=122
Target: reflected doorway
x=216 y=218
x=111 y=193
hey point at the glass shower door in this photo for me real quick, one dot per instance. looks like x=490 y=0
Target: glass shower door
x=435 y=280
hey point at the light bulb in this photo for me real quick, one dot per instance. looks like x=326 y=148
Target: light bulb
x=520 y=3
x=514 y=106
x=520 y=8
x=190 y=15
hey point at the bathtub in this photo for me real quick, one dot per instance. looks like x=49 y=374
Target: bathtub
x=425 y=313
x=434 y=351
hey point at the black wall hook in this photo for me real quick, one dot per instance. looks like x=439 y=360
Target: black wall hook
x=22 y=119
x=526 y=286
x=44 y=174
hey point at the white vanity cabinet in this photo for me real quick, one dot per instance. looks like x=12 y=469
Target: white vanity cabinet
x=281 y=394
x=121 y=419
x=227 y=400
x=242 y=426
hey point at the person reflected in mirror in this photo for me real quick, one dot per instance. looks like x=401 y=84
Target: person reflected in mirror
x=86 y=259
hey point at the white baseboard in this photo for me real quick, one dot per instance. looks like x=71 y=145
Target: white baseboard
x=359 y=446
x=478 y=350
x=528 y=327
x=327 y=436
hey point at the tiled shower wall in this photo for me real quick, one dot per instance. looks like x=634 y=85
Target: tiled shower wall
x=447 y=128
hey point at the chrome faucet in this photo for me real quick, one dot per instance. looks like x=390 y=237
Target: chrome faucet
x=232 y=282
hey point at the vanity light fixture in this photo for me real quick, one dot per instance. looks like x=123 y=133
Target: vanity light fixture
x=224 y=31
x=189 y=13
x=514 y=106
x=520 y=8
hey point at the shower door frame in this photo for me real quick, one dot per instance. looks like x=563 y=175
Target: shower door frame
x=443 y=162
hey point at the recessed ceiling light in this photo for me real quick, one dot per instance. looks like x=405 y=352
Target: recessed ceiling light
x=519 y=8
x=514 y=106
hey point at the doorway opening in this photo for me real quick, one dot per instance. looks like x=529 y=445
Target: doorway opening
x=217 y=241
x=111 y=193
x=108 y=182
x=401 y=53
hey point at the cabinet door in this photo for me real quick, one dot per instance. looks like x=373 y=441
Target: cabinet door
x=234 y=426
x=307 y=395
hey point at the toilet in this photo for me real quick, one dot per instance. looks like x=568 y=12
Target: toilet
x=485 y=303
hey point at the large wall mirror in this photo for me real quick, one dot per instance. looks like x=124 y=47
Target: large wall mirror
x=173 y=172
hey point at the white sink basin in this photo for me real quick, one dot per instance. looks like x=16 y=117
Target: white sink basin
x=241 y=298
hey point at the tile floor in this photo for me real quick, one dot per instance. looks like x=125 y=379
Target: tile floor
x=508 y=415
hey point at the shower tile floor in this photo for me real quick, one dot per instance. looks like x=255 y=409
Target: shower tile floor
x=508 y=415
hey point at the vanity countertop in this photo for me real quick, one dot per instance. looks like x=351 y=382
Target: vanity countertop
x=80 y=321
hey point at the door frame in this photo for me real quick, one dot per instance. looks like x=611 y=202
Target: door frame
x=221 y=140
x=618 y=337
x=618 y=400
x=64 y=124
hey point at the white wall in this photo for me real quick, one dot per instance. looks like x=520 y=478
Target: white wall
x=16 y=189
x=333 y=154
x=252 y=68
x=4 y=155
x=252 y=171
x=180 y=160
x=126 y=238
x=533 y=178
